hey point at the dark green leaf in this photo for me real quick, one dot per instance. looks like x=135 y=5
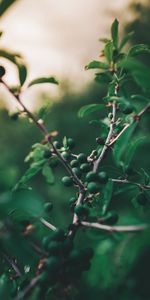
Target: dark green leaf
x=88 y=109
x=22 y=73
x=139 y=49
x=125 y=39
x=48 y=174
x=43 y=80
x=131 y=149
x=4 y=5
x=114 y=33
x=121 y=144
x=108 y=51
x=107 y=195
x=103 y=78
x=96 y=65
x=146 y=177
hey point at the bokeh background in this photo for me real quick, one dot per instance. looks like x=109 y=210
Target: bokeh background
x=59 y=38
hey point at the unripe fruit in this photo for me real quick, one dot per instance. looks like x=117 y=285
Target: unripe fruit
x=54 y=247
x=67 y=246
x=47 y=154
x=142 y=199
x=54 y=162
x=58 y=235
x=57 y=144
x=75 y=256
x=93 y=187
x=77 y=172
x=43 y=277
x=102 y=177
x=70 y=143
x=81 y=210
x=65 y=155
x=67 y=181
x=91 y=176
x=85 y=167
x=48 y=206
x=74 y=163
x=53 y=264
x=82 y=158
x=100 y=141
x=2 y=71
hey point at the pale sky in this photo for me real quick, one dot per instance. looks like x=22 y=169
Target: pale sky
x=59 y=37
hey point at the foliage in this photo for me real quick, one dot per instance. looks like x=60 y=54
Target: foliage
x=107 y=182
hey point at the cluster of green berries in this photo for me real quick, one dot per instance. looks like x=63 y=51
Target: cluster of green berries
x=64 y=263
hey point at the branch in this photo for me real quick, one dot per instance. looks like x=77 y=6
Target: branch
x=108 y=140
x=47 y=224
x=13 y=265
x=47 y=137
x=108 y=228
x=125 y=181
x=27 y=289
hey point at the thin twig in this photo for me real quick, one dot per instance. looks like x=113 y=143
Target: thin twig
x=125 y=181
x=143 y=110
x=13 y=265
x=108 y=140
x=27 y=289
x=47 y=224
x=124 y=228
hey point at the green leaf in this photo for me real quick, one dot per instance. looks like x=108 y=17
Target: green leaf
x=139 y=49
x=48 y=174
x=107 y=195
x=131 y=149
x=96 y=65
x=122 y=143
x=16 y=59
x=88 y=109
x=125 y=39
x=114 y=33
x=43 y=80
x=4 y=5
x=108 y=51
x=103 y=78
x=146 y=177
x=139 y=72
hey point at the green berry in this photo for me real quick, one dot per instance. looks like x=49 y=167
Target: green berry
x=57 y=144
x=2 y=71
x=142 y=199
x=91 y=176
x=93 y=187
x=100 y=141
x=85 y=167
x=53 y=264
x=48 y=206
x=54 y=162
x=70 y=143
x=82 y=158
x=102 y=177
x=66 y=155
x=75 y=256
x=74 y=163
x=67 y=181
x=67 y=246
x=47 y=153
x=81 y=210
x=58 y=235
x=43 y=277
x=77 y=172
x=54 y=247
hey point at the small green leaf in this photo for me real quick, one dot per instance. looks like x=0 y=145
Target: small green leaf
x=131 y=149
x=96 y=65
x=103 y=78
x=16 y=59
x=139 y=49
x=146 y=177
x=108 y=51
x=88 y=109
x=126 y=39
x=107 y=195
x=43 y=80
x=121 y=144
x=48 y=174
x=114 y=33
x=65 y=144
